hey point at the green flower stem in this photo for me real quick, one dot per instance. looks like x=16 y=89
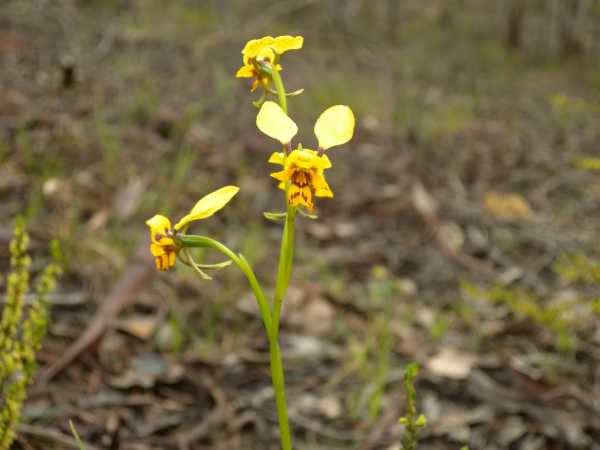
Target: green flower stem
x=280 y=89
x=190 y=241
x=284 y=271
x=286 y=253
x=278 y=380
x=286 y=256
x=277 y=376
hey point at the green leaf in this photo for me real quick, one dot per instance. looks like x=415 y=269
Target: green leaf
x=275 y=216
x=76 y=436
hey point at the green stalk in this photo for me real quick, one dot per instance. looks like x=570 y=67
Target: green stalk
x=286 y=255
x=279 y=88
x=278 y=380
x=286 y=252
x=277 y=377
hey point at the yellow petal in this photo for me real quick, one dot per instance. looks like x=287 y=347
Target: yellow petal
x=325 y=162
x=157 y=250
x=162 y=262
x=282 y=44
x=208 y=205
x=272 y=121
x=159 y=224
x=245 y=72
x=283 y=175
x=266 y=54
x=254 y=46
x=335 y=126
x=307 y=159
x=322 y=189
x=277 y=158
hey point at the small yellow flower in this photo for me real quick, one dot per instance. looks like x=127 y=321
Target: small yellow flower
x=162 y=245
x=265 y=50
x=162 y=237
x=304 y=168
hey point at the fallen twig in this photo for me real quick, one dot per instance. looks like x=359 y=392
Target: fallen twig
x=123 y=293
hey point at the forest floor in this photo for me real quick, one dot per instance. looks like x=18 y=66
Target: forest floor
x=463 y=234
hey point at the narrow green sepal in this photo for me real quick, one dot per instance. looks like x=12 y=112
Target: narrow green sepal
x=304 y=213
x=295 y=93
x=188 y=260
x=275 y=217
x=217 y=266
x=258 y=103
x=288 y=94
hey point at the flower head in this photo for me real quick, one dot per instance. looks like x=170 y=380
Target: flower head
x=162 y=236
x=162 y=245
x=265 y=51
x=303 y=168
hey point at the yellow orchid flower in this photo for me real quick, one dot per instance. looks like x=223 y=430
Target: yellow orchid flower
x=266 y=50
x=303 y=168
x=162 y=237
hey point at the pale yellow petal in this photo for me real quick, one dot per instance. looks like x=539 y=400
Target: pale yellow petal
x=282 y=44
x=335 y=126
x=208 y=205
x=272 y=121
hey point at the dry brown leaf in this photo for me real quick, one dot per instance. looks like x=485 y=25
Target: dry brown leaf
x=142 y=327
x=452 y=363
x=423 y=201
x=507 y=206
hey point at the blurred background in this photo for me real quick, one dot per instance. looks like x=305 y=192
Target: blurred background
x=463 y=233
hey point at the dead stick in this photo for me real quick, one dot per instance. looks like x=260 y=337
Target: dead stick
x=123 y=293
